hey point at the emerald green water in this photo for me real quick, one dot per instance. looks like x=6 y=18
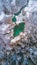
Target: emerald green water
x=16 y=14
x=18 y=29
x=14 y=19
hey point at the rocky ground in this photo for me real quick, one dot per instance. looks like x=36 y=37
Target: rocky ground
x=22 y=49
x=27 y=41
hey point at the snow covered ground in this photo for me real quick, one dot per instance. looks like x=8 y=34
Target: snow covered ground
x=31 y=10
